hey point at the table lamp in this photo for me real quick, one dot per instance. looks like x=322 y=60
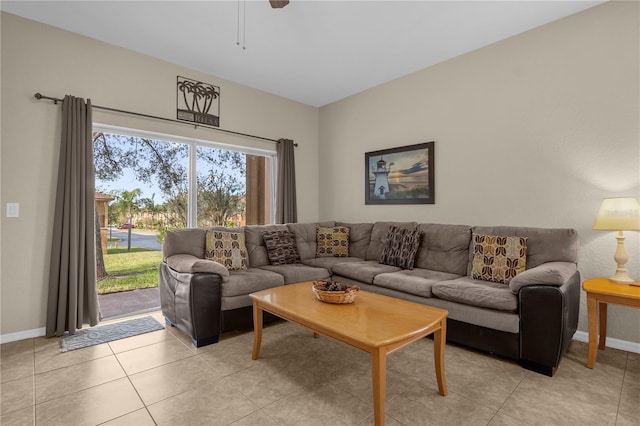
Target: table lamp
x=619 y=214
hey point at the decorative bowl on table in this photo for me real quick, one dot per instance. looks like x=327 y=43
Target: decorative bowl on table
x=334 y=291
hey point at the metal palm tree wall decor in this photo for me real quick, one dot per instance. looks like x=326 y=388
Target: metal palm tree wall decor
x=198 y=102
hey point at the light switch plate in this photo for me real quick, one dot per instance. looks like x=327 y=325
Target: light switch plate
x=13 y=209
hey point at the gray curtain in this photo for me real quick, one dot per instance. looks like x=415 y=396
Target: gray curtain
x=286 y=207
x=73 y=296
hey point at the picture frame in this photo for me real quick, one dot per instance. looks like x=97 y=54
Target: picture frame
x=402 y=175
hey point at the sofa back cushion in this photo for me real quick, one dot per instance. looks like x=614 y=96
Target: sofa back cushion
x=256 y=249
x=306 y=237
x=543 y=244
x=379 y=237
x=359 y=238
x=444 y=248
x=184 y=241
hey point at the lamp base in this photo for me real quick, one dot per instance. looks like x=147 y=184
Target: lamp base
x=622 y=280
x=621 y=276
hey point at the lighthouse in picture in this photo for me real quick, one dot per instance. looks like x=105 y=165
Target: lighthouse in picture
x=381 y=187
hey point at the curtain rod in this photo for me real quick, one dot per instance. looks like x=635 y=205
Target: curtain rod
x=155 y=117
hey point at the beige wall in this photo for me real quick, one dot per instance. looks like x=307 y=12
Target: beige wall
x=532 y=131
x=39 y=58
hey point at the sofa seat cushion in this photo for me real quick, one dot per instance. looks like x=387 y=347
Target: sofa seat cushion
x=416 y=281
x=483 y=317
x=364 y=270
x=329 y=262
x=249 y=281
x=484 y=294
x=297 y=272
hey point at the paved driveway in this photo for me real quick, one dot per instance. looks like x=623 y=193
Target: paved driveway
x=137 y=239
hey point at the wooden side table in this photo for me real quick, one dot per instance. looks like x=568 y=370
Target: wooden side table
x=600 y=292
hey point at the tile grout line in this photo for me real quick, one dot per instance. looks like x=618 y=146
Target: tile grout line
x=626 y=365
x=510 y=394
x=80 y=390
x=134 y=388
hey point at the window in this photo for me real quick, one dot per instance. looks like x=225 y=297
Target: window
x=160 y=182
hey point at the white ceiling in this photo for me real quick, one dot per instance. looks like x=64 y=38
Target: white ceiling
x=314 y=52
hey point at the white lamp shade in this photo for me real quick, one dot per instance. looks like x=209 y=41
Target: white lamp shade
x=618 y=214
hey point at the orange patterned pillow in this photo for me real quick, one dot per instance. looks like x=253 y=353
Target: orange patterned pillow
x=498 y=258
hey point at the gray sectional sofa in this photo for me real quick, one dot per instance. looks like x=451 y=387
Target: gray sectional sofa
x=531 y=319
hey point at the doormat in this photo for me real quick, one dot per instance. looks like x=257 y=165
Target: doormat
x=108 y=333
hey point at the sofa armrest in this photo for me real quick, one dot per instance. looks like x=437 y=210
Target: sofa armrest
x=192 y=302
x=550 y=273
x=189 y=264
x=548 y=321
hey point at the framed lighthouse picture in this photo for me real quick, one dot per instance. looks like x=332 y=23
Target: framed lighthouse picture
x=403 y=175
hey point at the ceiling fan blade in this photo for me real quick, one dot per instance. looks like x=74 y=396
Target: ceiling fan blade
x=278 y=4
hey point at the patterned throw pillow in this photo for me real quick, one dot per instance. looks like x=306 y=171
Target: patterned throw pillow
x=281 y=247
x=400 y=248
x=332 y=242
x=498 y=259
x=227 y=248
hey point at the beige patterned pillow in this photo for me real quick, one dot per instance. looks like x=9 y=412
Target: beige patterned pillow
x=227 y=248
x=332 y=242
x=498 y=258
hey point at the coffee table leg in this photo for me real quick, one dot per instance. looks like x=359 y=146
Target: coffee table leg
x=592 y=313
x=379 y=374
x=439 y=340
x=257 y=330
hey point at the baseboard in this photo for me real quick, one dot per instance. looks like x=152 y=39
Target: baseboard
x=21 y=335
x=583 y=336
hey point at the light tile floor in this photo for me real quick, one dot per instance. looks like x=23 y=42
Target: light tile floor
x=160 y=378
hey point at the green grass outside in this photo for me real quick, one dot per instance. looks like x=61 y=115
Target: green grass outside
x=130 y=271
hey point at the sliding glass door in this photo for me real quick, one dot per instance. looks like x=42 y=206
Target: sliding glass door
x=147 y=184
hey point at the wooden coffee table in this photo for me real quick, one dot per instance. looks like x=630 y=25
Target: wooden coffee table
x=374 y=323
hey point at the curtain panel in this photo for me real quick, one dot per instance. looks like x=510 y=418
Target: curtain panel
x=73 y=295
x=286 y=206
